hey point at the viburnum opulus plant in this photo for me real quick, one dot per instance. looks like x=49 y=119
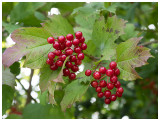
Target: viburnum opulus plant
x=57 y=51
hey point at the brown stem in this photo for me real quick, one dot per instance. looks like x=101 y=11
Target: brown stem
x=148 y=43
x=92 y=57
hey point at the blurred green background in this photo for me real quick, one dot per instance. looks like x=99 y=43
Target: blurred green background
x=140 y=99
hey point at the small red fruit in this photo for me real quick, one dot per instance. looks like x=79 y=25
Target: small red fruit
x=57 y=52
x=102 y=70
x=72 y=76
x=78 y=34
x=113 y=97
x=113 y=65
x=69 y=37
x=68 y=43
x=49 y=62
x=117 y=84
x=109 y=72
x=94 y=84
x=69 y=51
x=100 y=94
x=75 y=42
x=73 y=58
x=120 y=90
x=56 y=45
x=77 y=49
x=107 y=93
x=88 y=72
x=116 y=71
x=98 y=89
x=68 y=64
x=78 y=62
x=102 y=83
x=53 y=67
x=80 y=56
x=66 y=72
x=110 y=86
x=61 y=39
x=51 y=55
x=96 y=75
x=59 y=63
x=50 y=40
x=107 y=101
x=83 y=46
x=113 y=79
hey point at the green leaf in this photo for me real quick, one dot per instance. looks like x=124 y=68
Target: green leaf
x=10 y=27
x=129 y=56
x=51 y=89
x=14 y=116
x=111 y=8
x=73 y=93
x=43 y=97
x=15 y=68
x=7 y=97
x=7 y=77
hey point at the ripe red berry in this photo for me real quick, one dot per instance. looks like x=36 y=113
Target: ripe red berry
x=94 y=84
x=78 y=62
x=56 y=45
x=53 y=67
x=113 y=97
x=113 y=79
x=98 y=89
x=78 y=34
x=50 y=40
x=117 y=84
x=75 y=42
x=59 y=63
x=69 y=37
x=83 y=46
x=102 y=83
x=68 y=43
x=107 y=101
x=68 y=64
x=109 y=72
x=57 y=52
x=62 y=46
x=62 y=57
x=66 y=72
x=51 y=55
x=68 y=51
x=61 y=39
x=118 y=94
x=120 y=90
x=100 y=94
x=80 y=56
x=73 y=58
x=96 y=75
x=107 y=93
x=116 y=71
x=110 y=86
x=49 y=62
x=113 y=65
x=74 y=68
x=102 y=70
x=82 y=39
x=72 y=76
x=77 y=49
x=88 y=72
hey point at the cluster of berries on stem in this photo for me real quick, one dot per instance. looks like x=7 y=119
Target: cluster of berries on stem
x=104 y=88
x=64 y=47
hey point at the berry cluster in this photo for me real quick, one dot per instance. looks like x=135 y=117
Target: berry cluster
x=67 y=46
x=112 y=73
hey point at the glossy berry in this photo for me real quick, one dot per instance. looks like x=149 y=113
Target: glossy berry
x=50 y=40
x=120 y=90
x=72 y=76
x=74 y=68
x=98 y=89
x=102 y=70
x=113 y=97
x=80 y=56
x=69 y=37
x=88 y=72
x=83 y=46
x=57 y=52
x=68 y=64
x=78 y=62
x=61 y=39
x=109 y=72
x=62 y=57
x=82 y=39
x=100 y=94
x=53 y=67
x=107 y=93
x=102 y=83
x=118 y=94
x=78 y=34
x=69 y=51
x=62 y=46
x=68 y=43
x=49 y=62
x=110 y=86
x=107 y=101
x=96 y=75
x=113 y=65
x=75 y=42
x=117 y=84
x=66 y=72
x=51 y=55
x=116 y=71
x=73 y=58
x=56 y=45
x=77 y=49
x=59 y=63
x=94 y=84
x=113 y=79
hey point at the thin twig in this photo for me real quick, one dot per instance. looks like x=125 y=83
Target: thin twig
x=148 y=43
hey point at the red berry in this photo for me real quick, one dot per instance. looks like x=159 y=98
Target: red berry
x=78 y=62
x=78 y=34
x=110 y=86
x=98 y=89
x=56 y=45
x=120 y=90
x=62 y=57
x=68 y=43
x=66 y=72
x=61 y=39
x=69 y=37
x=100 y=94
x=50 y=40
x=116 y=71
x=118 y=94
x=49 y=62
x=75 y=42
x=94 y=84
x=102 y=83
x=83 y=46
x=57 y=52
x=68 y=64
x=109 y=72
x=113 y=97
x=69 y=51
x=80 y=56
x=96 y=75
x=113 y=79
x=74 y=68
x=72 y=76
x=107 y=93
x=107 y=101
x=88 y=72
x=77 y=49
x=59 y=63
x=62 y=46
x=102 y=70
x=117 y=84
x=51 y=55
x=53 y=67
x=73 y=58
x=82 y=39
x=113 y=65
